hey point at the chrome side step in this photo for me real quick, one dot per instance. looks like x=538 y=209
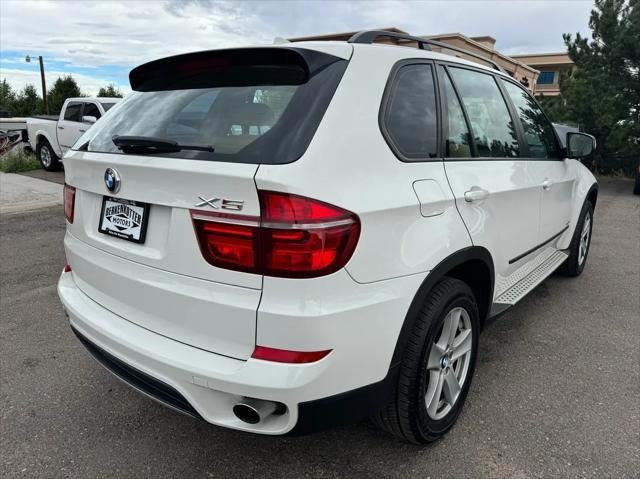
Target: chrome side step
x=522 y=282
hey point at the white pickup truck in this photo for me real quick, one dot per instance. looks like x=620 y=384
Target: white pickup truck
x=51 y=137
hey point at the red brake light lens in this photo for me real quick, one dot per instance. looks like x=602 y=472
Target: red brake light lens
x=296 y=237
x=227 y=245
x=69 y=202
x=286 y=356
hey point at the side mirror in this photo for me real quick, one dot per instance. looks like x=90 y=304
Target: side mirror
x=89 y=119
x=580 y=146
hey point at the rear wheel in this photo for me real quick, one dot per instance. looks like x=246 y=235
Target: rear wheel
x=580 y=243
x=437 y=366
x=48 y=159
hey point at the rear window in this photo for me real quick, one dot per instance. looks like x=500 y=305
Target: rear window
x=248 y=112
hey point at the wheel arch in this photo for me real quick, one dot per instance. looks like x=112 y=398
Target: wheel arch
x=474 y=266
x=42 y=135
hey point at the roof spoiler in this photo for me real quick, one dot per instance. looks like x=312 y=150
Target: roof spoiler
x=230 y=67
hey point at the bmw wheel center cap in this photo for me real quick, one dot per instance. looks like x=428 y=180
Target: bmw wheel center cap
x=112 y=180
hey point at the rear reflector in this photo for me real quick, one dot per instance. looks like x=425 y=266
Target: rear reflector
x=69 y=202
x=296 y=237
x=286 y=356
x=67 y=268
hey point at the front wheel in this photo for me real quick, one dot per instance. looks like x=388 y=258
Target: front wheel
x=48 y=159
x=580 y=244
x=436 y=367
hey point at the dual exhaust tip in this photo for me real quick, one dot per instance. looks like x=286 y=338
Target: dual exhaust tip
x=254 y=411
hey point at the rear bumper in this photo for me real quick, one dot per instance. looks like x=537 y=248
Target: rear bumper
x=208 y=385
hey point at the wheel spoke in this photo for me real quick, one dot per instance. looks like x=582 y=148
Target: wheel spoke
x=451 y=387
x=451 y=325
x=462 y=344
x=435 y=357
x=434 y=393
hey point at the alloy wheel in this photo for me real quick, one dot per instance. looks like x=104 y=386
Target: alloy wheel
x=448 y=363
x=585 y=237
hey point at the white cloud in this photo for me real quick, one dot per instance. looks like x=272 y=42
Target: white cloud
x=101 y=34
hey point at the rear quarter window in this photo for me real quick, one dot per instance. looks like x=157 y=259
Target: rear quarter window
x=410 y=116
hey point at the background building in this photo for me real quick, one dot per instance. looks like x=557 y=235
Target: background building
x=551 y=66
x=525 y=68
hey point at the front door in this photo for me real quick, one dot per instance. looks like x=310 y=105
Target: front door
x=544 y=153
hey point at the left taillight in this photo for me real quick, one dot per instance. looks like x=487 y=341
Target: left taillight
x=69 y=202
x=294 y=237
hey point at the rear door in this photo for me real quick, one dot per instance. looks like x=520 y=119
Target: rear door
x=133 y=245
x=69 y=125
x=497 y=193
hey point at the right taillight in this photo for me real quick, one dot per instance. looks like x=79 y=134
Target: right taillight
x=295 y=237
x=69 y=202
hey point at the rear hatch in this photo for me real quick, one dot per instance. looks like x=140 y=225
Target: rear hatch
x=188 y=142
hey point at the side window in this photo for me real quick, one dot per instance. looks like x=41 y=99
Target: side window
x=538 y=132
x=410 y=117
x=91 y=109
x=493 y=131
x=457 y=133
x=72 y=113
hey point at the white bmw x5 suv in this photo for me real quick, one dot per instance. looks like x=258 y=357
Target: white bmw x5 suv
x=278 y=239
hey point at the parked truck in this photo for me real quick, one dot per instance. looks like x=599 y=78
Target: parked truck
x=50 y=136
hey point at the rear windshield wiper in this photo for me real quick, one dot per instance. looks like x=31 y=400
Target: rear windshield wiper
x=150 y=144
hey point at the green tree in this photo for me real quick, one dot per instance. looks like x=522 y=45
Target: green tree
x=110 y=91
x=602 y=92
x=7 y=97
x=63 y=88
x=28 y=102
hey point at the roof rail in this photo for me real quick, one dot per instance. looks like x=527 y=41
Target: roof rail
x=369 y=36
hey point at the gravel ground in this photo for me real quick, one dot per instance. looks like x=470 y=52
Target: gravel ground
x=556 y=391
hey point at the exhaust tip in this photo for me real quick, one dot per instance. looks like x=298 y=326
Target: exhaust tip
x=246 y=413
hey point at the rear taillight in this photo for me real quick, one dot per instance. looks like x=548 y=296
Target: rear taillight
x=295 y=237
x=69 y=202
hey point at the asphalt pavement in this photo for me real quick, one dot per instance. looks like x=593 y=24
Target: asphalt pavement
x=556 y=391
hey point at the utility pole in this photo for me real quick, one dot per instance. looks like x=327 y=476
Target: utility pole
x=44 y=85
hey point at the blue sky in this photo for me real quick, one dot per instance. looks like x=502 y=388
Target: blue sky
x=98 y=42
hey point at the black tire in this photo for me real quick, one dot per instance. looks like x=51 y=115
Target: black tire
x=406 y=415
x=51 y=164
x=573 y=266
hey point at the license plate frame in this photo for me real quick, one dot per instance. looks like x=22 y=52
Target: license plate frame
x=136 y=233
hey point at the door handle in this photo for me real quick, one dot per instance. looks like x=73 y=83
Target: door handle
x=61 y=128
x=81 y=130
x=547 y=185
x=475 y=194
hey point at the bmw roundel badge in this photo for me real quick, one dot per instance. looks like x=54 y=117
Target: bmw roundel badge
x=112 y=180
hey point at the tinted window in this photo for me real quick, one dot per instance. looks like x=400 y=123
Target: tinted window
x=72 y=112
x=493 y=131
x=106 y=106
x=538 y=132
x=457 y=133
x=249 y=123
x=546 y=78
x=91 y=109
x=411 y=115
